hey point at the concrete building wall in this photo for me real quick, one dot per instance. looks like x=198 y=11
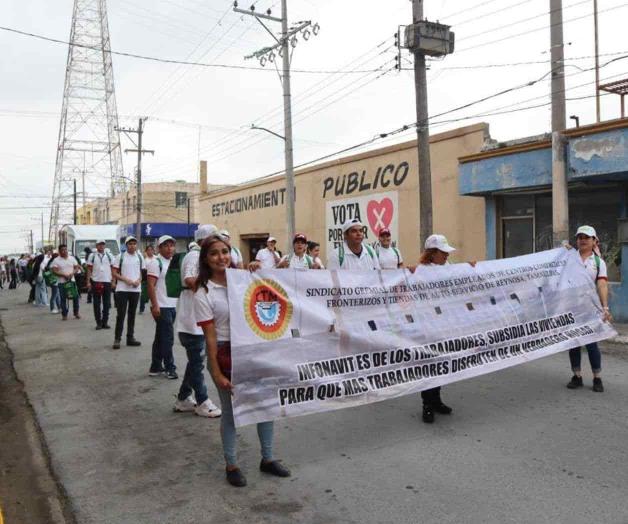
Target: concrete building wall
x=381 y=185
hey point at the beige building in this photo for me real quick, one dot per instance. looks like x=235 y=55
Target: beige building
x=378 y=186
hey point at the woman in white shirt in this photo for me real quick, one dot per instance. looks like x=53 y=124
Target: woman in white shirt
x=298 y=259
x=211 y=308
x=314 y=250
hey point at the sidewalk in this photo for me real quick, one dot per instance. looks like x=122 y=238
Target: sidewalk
x=519 y=448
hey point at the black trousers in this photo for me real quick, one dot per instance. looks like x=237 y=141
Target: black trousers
x=431 y=397
x=102 y=316
x=126 y=300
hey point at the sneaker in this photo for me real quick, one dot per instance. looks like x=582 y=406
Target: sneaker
x=208 y=409
x=77 y=317
x=64 y=317
x=106 y=326
x=171 y=375
x=236 y=478
x=133 y=342
x=116 y=344
x=98 y=327
x=598 y=387
x=428 y=414
x=575 y=382
x=443 y=409
x=274 y=467
x=55 y=312
x=155 y=372
x=185 y=405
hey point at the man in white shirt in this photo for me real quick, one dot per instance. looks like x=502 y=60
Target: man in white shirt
x=191 y=336
x=237 y=261
x=389 y=256
x=353 y=252
x=127 y=269
x=268 y=256
x=99 y=282
x=164 y=310
x=298 y=259
x=65 y=267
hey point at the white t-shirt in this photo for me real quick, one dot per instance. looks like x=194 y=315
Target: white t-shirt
x=153 y=270
x=65 y=265
x=267 y=258
x=297 y=262
x=236 y=257
x=131 y=268
x=186 y=318
x=353 y=261
x=213 y=306
x=590 y=265
x=389 y=257
x=101 y=266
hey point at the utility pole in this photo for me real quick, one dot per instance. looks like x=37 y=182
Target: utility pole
x=283 y=47
x=43 y=242
x=189 y=236
x=424 y=38
x=560 y=198
x=597 y=63
x=75 y=217
x=32 y=250
x=138 y=149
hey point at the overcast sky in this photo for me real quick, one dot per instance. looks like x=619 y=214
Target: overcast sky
x=190 y=106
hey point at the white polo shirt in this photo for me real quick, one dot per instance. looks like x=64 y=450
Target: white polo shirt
x=153 y=270
x=101 y=266
x=353 y=261
x=132 y=266
x=389 y=257
x=186 y=318
x=591 y=266
x=298 y=262
x=213 y=306
x=65 y=265
x=267 y=258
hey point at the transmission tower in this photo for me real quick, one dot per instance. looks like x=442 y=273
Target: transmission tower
x=88 y=150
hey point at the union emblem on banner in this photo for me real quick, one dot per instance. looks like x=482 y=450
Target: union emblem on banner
x=268 y=309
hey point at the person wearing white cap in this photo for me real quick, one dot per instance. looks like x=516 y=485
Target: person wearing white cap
x=127 y=269
x=164 y=310
x=192 y=338
x=353 y=253
x=436 y=253
x=268 y=257
x=237 y=261
x=99 y=278
x=586 y=243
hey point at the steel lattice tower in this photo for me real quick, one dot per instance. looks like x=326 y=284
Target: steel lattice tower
x=88 y=150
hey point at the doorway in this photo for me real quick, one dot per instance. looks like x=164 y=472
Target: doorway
x=518 y=236
x=252 y=244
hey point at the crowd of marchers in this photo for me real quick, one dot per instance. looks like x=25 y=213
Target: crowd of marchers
x=187 y=294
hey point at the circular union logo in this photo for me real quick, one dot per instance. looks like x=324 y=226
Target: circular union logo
x=267 y=309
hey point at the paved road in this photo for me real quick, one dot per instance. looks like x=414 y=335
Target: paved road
x=519 y=448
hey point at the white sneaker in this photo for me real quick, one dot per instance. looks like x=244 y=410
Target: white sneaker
x=181 y=406
x=55 y=311
x=207 y=409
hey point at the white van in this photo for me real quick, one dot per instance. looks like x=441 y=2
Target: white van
x=79 y=237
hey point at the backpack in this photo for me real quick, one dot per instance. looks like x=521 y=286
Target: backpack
x=308 y=259
x=597 y=266
x=341 y=253
x=173 y=275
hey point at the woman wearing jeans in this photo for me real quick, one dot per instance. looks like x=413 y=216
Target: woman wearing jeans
x=586 y=240
x=211 y=307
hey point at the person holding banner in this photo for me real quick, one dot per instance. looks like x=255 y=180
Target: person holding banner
x=389 y=256
x=353 y=253
x=211 y=308
x=586 y=243
x=298 y=259
x=436 y=253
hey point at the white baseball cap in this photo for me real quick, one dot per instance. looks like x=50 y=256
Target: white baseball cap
x=192 y=245
x=586 y=230
x=130 y=238
x=438 y=242
x=165 y=238
x=100 y=242
x=204 y=231
x=225 y=233
x=354 y=222
x=271 y=239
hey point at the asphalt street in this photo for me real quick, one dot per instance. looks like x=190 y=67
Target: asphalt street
x=519 y=447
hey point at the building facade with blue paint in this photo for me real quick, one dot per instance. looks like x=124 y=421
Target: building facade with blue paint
x=515 y=181
x=183 y=233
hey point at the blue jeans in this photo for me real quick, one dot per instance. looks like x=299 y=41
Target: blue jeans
x=595 y=358
x=162 y=358
x=55 y=297
x=41 y=294
x=64 y=302
x=194 y=379
x=228 y=432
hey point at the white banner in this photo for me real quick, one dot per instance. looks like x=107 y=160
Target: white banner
x=375 y=211
x=312 y=341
